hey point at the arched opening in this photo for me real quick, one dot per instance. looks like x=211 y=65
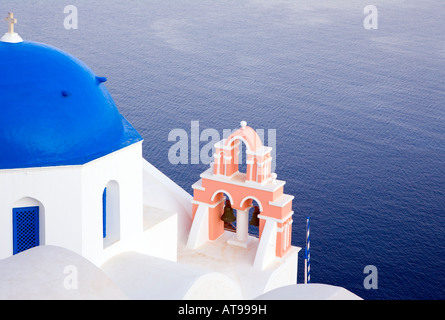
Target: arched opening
x=228 y=216
x=111 y=214
x=28 y=224
x=242 y=159
x=254 y=208
x=241 y=149
x=226 y=212
x=254 y=221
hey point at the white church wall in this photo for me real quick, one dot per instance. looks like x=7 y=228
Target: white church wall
x=56 y=190
x=120 y=171
x=70 y=204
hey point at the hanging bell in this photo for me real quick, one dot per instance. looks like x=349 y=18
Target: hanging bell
x=254 y=221
x=228 y=215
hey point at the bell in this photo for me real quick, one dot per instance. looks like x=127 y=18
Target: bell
x=254 y=221
x=228 y=215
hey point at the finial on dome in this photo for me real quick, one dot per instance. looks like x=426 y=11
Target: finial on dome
x=243 y=124
x=11 y=36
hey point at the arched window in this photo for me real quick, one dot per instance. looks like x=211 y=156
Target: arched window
x=104 y=213
x=111 y=214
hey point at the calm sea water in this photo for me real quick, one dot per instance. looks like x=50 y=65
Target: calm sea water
x=359 y=114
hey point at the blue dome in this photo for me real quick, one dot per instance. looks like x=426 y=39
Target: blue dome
x=54 y=110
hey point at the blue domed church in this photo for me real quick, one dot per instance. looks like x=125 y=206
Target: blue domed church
x=71 y=166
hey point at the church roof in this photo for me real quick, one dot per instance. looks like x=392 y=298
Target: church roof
x=54 y=110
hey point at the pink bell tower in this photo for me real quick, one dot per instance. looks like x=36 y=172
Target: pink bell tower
x=258 y=183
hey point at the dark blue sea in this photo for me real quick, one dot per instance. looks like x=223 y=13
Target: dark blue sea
x=359 y=114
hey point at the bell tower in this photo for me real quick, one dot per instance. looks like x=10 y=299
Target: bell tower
x=223 y=189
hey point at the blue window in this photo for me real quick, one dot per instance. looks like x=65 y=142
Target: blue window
x=110 y=214
x=104 y=213
x=25 y=223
